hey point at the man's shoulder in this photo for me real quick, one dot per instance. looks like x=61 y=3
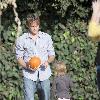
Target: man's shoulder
x=44 y=34
x=22 y=37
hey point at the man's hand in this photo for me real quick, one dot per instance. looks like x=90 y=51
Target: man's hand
x=29 y=67
x=45 y=64
x=50 y=59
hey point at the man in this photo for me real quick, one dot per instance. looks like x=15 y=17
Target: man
x=94 y=32
x=35 y=43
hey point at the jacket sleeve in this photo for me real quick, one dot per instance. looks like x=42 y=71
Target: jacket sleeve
x=54 y=90
x=93 y=29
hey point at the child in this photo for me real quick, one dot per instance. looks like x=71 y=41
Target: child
x=62 y=83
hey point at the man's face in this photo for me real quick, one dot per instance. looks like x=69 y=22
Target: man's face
x=34 y=28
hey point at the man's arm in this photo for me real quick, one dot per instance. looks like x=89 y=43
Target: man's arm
x=20 y=51
x=51 y=52
x=50 y=60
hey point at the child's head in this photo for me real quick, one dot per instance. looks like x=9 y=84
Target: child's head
x=60 y=68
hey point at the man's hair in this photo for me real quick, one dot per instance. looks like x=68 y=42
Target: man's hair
x=60 y=68
x=31 y=18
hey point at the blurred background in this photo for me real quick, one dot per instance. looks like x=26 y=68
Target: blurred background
x=67 y=22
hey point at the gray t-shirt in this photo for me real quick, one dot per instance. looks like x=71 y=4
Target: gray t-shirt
x=61 y=86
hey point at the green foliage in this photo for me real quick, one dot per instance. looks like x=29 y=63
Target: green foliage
x=75 y=50
x=9 y=35
x=66 y=22
x=10 y=87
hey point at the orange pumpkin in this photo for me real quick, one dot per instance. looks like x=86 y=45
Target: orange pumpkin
x=34 y=62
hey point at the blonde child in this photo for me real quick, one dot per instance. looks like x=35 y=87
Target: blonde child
x=61 y=83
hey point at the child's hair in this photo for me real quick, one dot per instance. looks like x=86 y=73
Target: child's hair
x=60 y=68
x=31 y=18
